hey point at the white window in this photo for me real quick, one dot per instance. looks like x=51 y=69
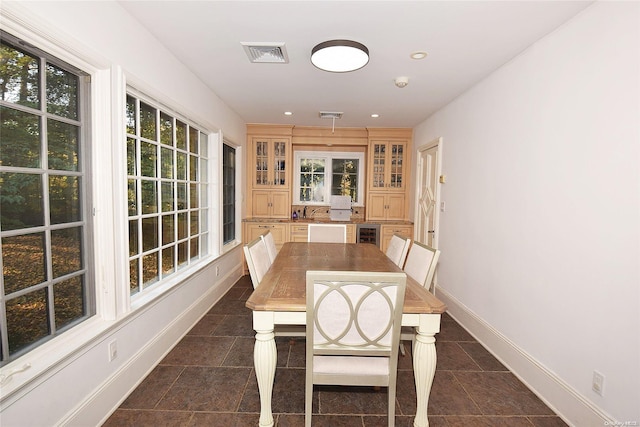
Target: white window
x=229 y=170
x=320 y=175
x=47 y=277
x=167 y=171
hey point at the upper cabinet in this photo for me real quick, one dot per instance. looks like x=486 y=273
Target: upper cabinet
x=388 y=174
x=387 y=160
x=269 y=162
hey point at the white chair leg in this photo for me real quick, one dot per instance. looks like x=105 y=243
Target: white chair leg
x=402 y=350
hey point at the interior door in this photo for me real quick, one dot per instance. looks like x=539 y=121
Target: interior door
x=427 y=197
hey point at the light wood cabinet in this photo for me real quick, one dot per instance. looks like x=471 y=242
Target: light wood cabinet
x=387 y=231
x=351 y=233
x=386 y=207
x=300 y=233
x=279 y=230
x=388 y=173
x=271 y=158
x=269 y=171
x=388 y=164
x=270 y=203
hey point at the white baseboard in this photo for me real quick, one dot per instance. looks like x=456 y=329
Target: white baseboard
x=565 y=401
x=97 y=408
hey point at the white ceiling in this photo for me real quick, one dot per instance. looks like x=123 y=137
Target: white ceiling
x=465 y=42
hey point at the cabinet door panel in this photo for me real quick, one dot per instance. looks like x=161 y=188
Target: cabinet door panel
x=261 y=204
x=260 y=166
x=395 y=206
x=377 y=163
x=280 y=204
x=376 y=207
x=396 y=174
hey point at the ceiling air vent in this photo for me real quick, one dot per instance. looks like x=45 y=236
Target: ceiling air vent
x=266 y=53
x=330 y=115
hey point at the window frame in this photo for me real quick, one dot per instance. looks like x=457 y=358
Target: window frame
x=206 y=212
x=223 y=182
x=83 y=173
x=328 y=157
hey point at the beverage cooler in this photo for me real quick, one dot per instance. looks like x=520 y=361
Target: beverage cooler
x=368 y=233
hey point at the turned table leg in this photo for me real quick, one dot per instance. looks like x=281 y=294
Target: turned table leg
x=424 y=364
x=264 y=360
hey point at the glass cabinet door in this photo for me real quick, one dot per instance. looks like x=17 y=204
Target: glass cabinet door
x=262 y=162
x=279 y=166
x=270 y=162
x=387 y=162
x=395 y=169
x=378 y=165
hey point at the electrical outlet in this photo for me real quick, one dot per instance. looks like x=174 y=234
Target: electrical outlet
x=113 y=350
x=598 y=383
x=217 y=270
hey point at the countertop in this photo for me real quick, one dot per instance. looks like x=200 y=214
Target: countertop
x=325 y=221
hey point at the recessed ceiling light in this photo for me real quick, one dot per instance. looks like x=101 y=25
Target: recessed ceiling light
x=375 y=116
x=418 y=55
x=340 y=56
x=288 y=113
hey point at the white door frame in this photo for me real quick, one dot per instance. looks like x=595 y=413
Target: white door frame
x=436 y=209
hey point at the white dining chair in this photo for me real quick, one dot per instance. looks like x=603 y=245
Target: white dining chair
x=327 y=233
x=259 y=263
x=398 y=249
x=353 y=330
x=258 y=260
x=421 y=264
x=268 y=240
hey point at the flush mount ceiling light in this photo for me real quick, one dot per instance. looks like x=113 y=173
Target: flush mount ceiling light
x=340 y=56
x=418 y=55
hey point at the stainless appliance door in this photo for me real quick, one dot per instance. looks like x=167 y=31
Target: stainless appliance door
x=368 y=233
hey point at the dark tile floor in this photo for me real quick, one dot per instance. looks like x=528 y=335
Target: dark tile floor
x=208 y=380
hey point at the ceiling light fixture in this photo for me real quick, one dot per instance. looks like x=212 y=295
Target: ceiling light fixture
x=418 y=55
x=288 y=113
x=340 y=56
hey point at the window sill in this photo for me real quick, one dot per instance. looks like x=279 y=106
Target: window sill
x=27 y=372
x=49 y=358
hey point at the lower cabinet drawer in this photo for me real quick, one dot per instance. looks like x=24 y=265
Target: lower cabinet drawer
x=298 y=232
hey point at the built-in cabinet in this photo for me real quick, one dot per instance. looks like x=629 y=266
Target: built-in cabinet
x=269 y=163
x=298 y=232
x=287 y=231
x=388 y=174
x=269 y=181
x=270 y=203
x=386 y=206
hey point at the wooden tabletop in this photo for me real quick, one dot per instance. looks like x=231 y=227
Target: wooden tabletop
x=283 y=287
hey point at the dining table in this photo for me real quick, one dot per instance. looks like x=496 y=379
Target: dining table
x=280 y=299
